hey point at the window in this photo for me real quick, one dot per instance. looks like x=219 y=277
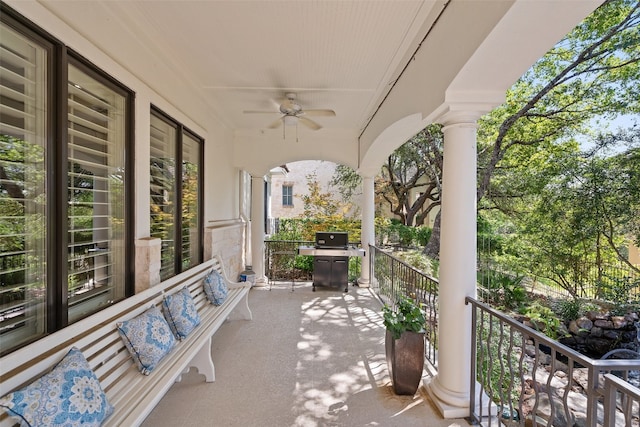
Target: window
x=63 y=237
x=96 y=205
x=23 y=182
x=287 y=195
x=176 y=217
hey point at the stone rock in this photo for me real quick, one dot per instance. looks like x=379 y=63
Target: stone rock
x=558 y=415
x=584 y=323
x=612 y=335
x=596 y=331
x=530 y=350
x=595 y=315
x=619 y=322
x=544 y=359
x=605 y=324
x=598 y=345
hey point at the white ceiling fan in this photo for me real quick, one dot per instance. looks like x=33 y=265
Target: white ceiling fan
x=292 y=113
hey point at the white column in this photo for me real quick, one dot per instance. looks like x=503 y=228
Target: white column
x=257 y=228
x=450 y=388
x=368 y=233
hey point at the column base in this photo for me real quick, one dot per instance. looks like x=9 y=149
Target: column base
x=456 y=405
x=449 y=403
x=261 y=282
x=364 y=283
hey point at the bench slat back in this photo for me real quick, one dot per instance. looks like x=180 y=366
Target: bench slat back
x=97 y=336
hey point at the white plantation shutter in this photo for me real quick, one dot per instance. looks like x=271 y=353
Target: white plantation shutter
x=176 y=194
x=191 y=162
x=163 y=194
x=23 y=206
x=95 y=150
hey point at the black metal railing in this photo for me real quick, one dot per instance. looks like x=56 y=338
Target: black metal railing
x=282 y=261
x=519 y=376
x=395 y=278
x=525 y=377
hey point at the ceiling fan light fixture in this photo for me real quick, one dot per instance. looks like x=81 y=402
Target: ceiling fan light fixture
x=290 y=120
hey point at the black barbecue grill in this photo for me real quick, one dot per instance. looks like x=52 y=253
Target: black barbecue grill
x=331 y=259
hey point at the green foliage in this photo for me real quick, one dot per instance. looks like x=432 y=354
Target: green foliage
x=570 y=309
x=543 y=319
x=304 y=263
x=422 y=235
x=355 y=267
x=417 y=260
x=617 y=290
x=321 y=213
x=347 y=181
x=494 y=354
x=408 y=316
x=304 y=229
x=393 y=231
x=502 y=290
x=622 y=309
x=568 y=209
x=416 y=166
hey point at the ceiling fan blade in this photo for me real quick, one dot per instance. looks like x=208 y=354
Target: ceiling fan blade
x=276 y=124
x=309 y=123
x=318 y=113
x=260 y=112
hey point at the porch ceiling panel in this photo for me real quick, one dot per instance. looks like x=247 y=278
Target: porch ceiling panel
x=245 y=55
x=364 y=59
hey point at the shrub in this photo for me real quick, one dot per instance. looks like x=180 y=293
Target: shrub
x=503 y=290
x=543 y=319
x=423 y=234
x=569 y=309
x=407 y=316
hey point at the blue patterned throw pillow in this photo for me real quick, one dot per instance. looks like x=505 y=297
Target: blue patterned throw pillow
x=69 y=395
x=215 y=288
x=181 y=313
x=148 y=338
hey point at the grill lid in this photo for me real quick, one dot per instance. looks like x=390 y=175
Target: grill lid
x=333 y=239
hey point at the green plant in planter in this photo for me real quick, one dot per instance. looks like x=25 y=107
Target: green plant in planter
x=408 y=316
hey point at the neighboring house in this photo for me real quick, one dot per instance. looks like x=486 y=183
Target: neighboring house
x=290 y=182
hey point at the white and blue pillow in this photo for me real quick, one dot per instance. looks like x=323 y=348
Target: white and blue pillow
x=148 y=338
x=215 y=288
x=69 y=395
x=181 y=313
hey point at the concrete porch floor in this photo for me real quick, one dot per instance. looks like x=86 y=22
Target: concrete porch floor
x=307 y=359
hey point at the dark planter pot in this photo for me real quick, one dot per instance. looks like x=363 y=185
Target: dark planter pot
x=405 y=360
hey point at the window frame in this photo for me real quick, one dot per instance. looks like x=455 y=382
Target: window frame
x=55 y=135
x=182 y=130
x=287 y=197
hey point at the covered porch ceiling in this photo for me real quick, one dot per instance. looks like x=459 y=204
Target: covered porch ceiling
x=385 y=67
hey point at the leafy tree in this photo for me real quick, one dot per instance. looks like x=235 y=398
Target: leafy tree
x=592 y=73
x=575 y=225
x=417 y=164
x=323 y=213
x=527 y=146
x=346 y=181
x=571 y=208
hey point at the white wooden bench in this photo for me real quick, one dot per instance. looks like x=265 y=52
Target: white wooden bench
x=132 y=394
